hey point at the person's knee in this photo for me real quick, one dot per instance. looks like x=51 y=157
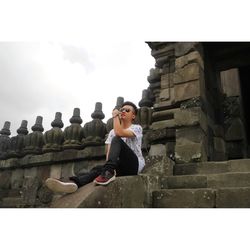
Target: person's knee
x=117 y=139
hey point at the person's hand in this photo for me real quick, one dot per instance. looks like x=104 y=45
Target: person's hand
x=115 y=113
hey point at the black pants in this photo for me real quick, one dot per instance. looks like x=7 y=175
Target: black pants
x=121 y=158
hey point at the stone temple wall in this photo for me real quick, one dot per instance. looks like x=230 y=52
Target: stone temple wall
x=28 y=159
x=179 y=122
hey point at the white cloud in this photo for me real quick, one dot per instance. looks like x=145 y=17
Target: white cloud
x=46 y=77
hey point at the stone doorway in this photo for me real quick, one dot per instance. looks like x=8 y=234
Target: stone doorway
x=227 y=74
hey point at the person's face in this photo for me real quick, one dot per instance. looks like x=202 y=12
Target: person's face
x=127 y=113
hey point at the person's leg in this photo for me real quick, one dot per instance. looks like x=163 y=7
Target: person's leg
x=59 y=186
x=84 y=179
x=71 y=184
x=121 y=160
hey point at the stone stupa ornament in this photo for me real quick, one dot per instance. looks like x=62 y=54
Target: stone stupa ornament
x=94 y=132
x=4 y=140
x=17 y=142
x=54 y=137
x=73 y=133
x=119 y=102
x=34 y=141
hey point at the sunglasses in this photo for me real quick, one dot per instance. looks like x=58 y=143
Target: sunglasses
x=125 y=110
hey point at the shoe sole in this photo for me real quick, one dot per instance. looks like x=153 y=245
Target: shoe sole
x=105 y=183
x=60 y=187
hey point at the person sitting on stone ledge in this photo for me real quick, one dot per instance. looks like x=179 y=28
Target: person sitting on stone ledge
x=123 y=157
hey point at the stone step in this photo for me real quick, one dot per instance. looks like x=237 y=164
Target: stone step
x=241 y=165
x=184 y=198
x=241 y=179
x=202 y=198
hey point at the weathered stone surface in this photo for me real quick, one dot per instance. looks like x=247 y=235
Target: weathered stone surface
x=186 y=181
x=230 y=82
x=167 y=81
x=91 y=152
x=164 y=114
x=241 y=165
x=44 y=195
x=154 y=75
x=193 y=57
x=4 y=140
x=228 y=180
x=94 y=132
x=219 y=145
x=144 y=117
x=187 y=135
x=204 y=168
x=182 y=48
x=9 y=163
x=235 y=131
x=235 y=150
x=187 y=90
x=67 y=169
x=30 y=172
x=163 y=124
x=119 y=102
x=158 y=165
x=151 y=183
x=192 y=152
x=190 y=72
x=34 y=141
x=165 y=94
x=83 y=167
x=191 y=117
x=5 y=179
x=147 y=98
x=164 y=104
x=54 y=137
x=43 y=172
x=36 y=160
x=233 y=197
x=157 y=149
x=17 y=177
x=160 y=135
x=56 y=171
x=185 y=169
x=12 y=202
x=17 y=142
x=218 y=131
x=116 y=195
x=30 y=187
x=163 y=55
x=73 y=134
x=184 y=198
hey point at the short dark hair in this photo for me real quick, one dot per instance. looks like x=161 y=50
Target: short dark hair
x=132 y=105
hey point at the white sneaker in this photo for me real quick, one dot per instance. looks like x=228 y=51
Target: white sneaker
x=60 y=187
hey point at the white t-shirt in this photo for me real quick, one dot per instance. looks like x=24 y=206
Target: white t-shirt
x=133 y=142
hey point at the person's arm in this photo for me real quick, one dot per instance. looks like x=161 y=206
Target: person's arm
x=119 y=131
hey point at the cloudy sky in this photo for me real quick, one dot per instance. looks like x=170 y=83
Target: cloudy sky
x=41 y=78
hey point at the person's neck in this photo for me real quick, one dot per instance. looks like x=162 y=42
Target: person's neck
x=126 y=124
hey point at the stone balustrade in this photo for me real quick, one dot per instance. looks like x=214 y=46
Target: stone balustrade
x=74 y=136
x=28 y=159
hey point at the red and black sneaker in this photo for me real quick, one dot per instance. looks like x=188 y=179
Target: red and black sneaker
x=106 y=177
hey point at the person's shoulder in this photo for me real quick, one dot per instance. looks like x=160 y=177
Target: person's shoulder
x=136 y=127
